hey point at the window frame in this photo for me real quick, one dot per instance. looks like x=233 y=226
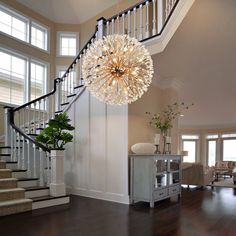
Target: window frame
x=59 y=36
x=30 y=22
x=27 y=85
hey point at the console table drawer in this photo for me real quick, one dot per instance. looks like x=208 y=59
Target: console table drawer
x=174 y=190
x=160 y=193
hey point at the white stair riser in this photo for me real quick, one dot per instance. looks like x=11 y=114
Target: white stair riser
x=5 y=151
x=29 y=183
x=12 y=166
x=19 y=175
x=51 y=202
x=7 y=158
x=37 y=193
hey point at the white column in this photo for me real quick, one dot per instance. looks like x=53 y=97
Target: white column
x=57 y=185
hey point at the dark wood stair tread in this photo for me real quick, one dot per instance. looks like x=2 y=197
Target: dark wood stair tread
x=17 y=170
x=44 y=198
x=5 y=147
x=5 y=155
x=27 y=179
x=35 y=188
x=63 y=104
x=72 y=95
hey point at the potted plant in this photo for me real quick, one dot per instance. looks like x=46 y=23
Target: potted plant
x=164 y=121
x=55 y=136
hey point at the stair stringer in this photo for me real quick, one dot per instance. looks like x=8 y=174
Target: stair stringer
x=96 y=163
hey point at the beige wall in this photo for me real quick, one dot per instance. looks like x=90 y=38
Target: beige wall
x=154 y=101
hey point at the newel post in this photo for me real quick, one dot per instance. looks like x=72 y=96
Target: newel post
x=7 y=127
x=57 y=185
x=101 y=23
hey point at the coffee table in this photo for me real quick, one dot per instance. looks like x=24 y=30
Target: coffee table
x=219 y=173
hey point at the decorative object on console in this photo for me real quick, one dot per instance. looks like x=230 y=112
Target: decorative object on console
x=117 y=69
x=143 y=148
x=164 y=122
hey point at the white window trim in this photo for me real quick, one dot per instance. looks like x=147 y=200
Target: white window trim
x=59 y=33
x=30 y=20
x=29 y=59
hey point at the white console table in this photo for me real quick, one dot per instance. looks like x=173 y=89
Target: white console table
x=154 y=177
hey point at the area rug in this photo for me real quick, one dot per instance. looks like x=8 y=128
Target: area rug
x=228 y=182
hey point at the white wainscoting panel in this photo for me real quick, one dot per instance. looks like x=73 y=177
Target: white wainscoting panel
x=97 y=161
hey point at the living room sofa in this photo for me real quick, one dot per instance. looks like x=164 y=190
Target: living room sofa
x=197 y=174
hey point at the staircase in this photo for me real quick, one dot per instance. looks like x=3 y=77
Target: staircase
x=25 y=165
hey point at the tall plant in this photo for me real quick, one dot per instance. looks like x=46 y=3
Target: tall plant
x=164 y=121
x=55 y=135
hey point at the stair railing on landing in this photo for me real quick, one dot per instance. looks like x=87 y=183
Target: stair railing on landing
x=142 y=21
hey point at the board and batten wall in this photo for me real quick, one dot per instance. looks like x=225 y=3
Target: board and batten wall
x=96 y=164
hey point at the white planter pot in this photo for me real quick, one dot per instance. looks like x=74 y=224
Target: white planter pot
x=57 y=185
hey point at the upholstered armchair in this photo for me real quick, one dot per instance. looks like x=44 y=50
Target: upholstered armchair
x=197 y=174
x=225 y=166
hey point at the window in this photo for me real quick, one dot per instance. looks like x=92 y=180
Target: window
x=13 y=73
x=229 y=150
x=189 y=143
x=212 y=136
x=23 y=28
x=39 y=36
x=67 y=44
x=19 y=77
x=13 y=24
x=190 y=146
x=211 y=152
x=37 y=79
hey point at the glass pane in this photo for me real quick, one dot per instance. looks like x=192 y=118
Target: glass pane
x=161 y=166
x=38 y=78
x=190 y=146
x=212 y=136
x=161 y=180
x=174 y=165
x=229 y=150
x=228 y=136
x=211 y=153
x=68 y=45
x=12 y=76
x=174 y=178
x=38 y=37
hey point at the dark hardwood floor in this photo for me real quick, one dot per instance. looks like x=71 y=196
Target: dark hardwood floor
x=208 y=212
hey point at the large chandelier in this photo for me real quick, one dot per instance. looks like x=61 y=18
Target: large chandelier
x=117 y=69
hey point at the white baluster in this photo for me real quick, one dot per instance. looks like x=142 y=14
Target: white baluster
x=39 y=114
x=34 y=119
x=15 y=146
x=12 y=144
x=108 y=24
x=41 y=167
x=129 y=24
x=141 y=22
x=28 y=159
x=147 y=34
x=48 y=169
x=23 y=118
x=34 y=162
x=123 y=23
x=29 y=120
x=23 y=153
x=135 y=23
x=154 y=21
x=19 y=151
x=44 y=112
x=112 y=26
x=118 y=24
x=80 y=70
x=160 y=16
x=53 y=106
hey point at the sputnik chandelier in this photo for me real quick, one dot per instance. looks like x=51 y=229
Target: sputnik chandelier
x=117 y=69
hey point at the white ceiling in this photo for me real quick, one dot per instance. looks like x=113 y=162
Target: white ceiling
x=201 y=55
x=69 y=11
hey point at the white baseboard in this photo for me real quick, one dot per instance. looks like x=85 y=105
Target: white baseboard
x=106 y=196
